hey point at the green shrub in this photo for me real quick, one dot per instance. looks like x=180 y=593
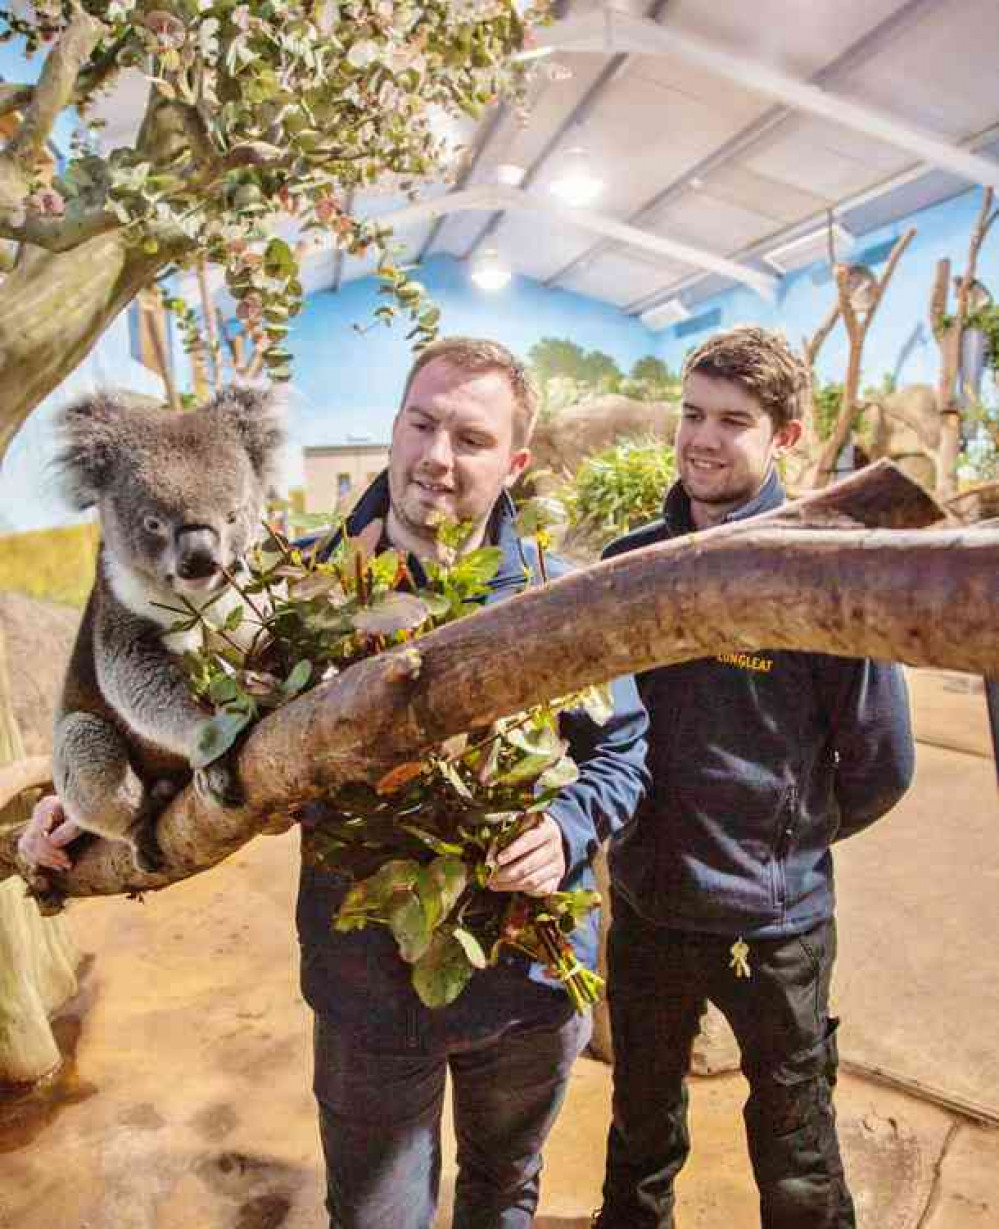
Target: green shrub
x=619 y=488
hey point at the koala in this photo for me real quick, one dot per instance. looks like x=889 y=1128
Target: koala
x=180 y=497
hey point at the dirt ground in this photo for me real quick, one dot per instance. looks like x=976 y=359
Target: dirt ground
x=185 y=1099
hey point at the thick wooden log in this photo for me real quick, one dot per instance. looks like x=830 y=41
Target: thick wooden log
x=790 y=581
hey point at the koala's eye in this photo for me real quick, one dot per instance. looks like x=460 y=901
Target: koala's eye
x=152 y=524
x=232 y=518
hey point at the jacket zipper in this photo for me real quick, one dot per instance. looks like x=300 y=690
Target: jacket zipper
x=787 y=814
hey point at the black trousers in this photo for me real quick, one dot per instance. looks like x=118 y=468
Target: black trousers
x=659 y=981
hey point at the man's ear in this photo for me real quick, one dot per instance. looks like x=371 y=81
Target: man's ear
x=519 y=461
x=787 y=436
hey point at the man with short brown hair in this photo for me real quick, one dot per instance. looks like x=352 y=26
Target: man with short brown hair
x=722 y=886
x=508 y=1042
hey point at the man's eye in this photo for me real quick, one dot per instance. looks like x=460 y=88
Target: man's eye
x=152 y=524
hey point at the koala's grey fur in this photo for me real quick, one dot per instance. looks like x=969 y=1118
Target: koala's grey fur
x=180 y=496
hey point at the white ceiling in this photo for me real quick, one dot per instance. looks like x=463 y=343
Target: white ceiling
x=712 y=161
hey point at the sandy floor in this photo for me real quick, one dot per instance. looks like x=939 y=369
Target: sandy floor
x=185 y=1101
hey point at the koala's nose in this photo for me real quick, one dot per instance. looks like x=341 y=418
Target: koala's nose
x=197 y=552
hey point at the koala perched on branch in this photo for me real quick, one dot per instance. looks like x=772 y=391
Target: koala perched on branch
x=180 y=499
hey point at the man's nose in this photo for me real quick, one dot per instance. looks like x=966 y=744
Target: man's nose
x=704 y=435
x=439 y=452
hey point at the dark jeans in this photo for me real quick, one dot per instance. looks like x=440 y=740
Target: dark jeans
x=659 y=982
x=509 y=1045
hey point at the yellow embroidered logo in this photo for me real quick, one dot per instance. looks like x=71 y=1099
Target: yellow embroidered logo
x=746 y=661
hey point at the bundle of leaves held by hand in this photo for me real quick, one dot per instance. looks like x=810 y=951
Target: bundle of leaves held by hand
x=420 y=845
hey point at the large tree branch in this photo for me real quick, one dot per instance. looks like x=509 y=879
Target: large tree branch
x=56 y=87
x=795 y=580
x=54 y=307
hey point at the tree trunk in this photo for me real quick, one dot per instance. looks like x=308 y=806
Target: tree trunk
x=796 y=579
x=38 y=960
x=54 y=307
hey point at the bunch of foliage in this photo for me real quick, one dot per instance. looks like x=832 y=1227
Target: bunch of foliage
x=421 y=843
x=619 y=487
x=256 y=111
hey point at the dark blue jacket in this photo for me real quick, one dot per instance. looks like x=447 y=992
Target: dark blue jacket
x=612 y=779
x=759 y=762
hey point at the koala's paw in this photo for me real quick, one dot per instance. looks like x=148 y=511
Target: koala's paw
x=219 y=784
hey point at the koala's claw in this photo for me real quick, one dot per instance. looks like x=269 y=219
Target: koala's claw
x=219 y=784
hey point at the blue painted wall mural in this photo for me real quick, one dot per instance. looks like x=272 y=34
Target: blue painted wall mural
x=347 y=384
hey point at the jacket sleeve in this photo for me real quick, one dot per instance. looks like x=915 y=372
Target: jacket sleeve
x=612 y=775
x=867 y=705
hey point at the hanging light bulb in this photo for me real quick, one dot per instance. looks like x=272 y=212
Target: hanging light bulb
x=489 y=271
x=576 y=183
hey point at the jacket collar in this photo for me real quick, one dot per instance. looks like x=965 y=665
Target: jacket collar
x=676 y=509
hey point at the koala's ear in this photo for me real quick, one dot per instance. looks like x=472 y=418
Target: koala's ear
x=91 y=431
x=257 y=415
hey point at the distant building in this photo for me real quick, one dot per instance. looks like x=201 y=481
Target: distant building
x=335 y=474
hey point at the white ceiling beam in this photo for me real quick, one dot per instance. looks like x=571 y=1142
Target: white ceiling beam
x=496 y=197
x=758 y=249
x=613 y=30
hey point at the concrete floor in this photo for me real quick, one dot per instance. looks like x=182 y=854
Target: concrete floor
x=185 y=1101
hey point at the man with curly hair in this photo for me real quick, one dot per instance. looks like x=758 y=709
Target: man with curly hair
x=722 y=885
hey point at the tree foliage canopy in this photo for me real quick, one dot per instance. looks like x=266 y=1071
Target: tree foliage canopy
x=261 y=120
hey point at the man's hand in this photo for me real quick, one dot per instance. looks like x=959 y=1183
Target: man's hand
x=41 y=843
x=534 y=863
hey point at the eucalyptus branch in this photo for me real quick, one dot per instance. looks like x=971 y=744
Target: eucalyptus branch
x=56 y=88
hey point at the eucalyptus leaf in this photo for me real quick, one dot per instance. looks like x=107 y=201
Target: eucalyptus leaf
x=298 y=678
x=217 y=735
x=397 y=612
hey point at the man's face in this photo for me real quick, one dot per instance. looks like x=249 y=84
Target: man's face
x=725 y=446
x=453 y=449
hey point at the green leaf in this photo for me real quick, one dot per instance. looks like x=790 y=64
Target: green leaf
x=298 y=678
x=559 y=775
x=540 y=513
x=217 y=735
x=436 y=603
x=372 y=895
x=222 y=689
x=478 y=567
x=472 y=947
x=527 y=768
x=443 y=972
x=396 y=612
x=450 y=875
x=408 y=923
